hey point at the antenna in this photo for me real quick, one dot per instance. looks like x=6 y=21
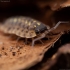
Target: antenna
x=57 y=25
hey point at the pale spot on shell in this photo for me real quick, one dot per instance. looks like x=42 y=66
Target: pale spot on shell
x=38 y=23
x=34 y=21
x=25 y=22
x=29 y=24
x=15 y=20
x=34 y=25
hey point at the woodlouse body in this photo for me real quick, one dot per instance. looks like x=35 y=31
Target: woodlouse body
x=23 y=26
x=27 y=27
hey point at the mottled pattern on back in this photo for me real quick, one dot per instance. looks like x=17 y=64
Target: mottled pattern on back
x=23 y=26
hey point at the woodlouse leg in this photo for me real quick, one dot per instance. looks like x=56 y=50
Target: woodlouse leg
x=41 y=41
x=18 y=39
x=53 y=45
x=36 y=39
x=25 y=40
x=47 y=37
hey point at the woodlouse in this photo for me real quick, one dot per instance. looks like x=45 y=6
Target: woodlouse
x=27 y=27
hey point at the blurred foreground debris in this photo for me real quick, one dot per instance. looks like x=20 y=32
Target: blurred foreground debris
x=59 y=61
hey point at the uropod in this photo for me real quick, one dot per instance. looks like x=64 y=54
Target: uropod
x=27 y=27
